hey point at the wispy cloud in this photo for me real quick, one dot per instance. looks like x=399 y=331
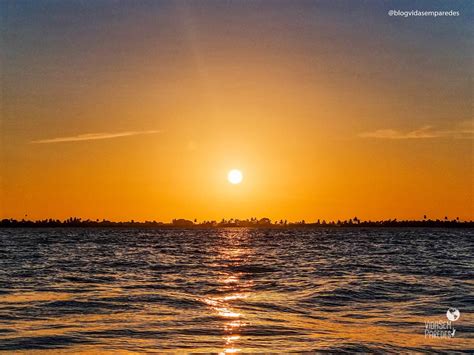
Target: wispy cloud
x=463 y=129
x=423 y=132
x=92 y=136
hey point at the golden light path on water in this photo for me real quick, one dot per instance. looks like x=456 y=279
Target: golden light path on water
x=231 y=285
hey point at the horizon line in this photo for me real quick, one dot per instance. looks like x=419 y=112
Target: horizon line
x=235 y=221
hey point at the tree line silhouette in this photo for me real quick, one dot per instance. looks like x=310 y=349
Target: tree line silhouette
x=248 y=223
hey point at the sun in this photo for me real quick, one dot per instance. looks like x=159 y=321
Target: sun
x=235 y=176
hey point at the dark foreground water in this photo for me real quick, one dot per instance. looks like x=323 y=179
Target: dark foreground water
x=231 y=290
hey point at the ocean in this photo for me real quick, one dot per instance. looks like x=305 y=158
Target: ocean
x=236 y=290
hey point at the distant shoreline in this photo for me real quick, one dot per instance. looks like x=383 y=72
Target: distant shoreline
x=263 y=223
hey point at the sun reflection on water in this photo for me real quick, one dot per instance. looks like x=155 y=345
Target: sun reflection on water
x=231 y=255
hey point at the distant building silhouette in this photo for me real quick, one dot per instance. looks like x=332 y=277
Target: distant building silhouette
x=248 y=223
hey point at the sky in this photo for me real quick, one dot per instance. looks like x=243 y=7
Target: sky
x=331 y=109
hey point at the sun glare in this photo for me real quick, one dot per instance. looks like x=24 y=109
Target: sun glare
x=235 y=176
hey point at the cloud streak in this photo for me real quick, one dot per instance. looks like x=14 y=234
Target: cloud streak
x=92 y=136
x=464 y=129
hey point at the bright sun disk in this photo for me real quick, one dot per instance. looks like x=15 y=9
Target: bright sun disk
x=235 y=176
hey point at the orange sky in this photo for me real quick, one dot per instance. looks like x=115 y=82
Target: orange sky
x=138 y=111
